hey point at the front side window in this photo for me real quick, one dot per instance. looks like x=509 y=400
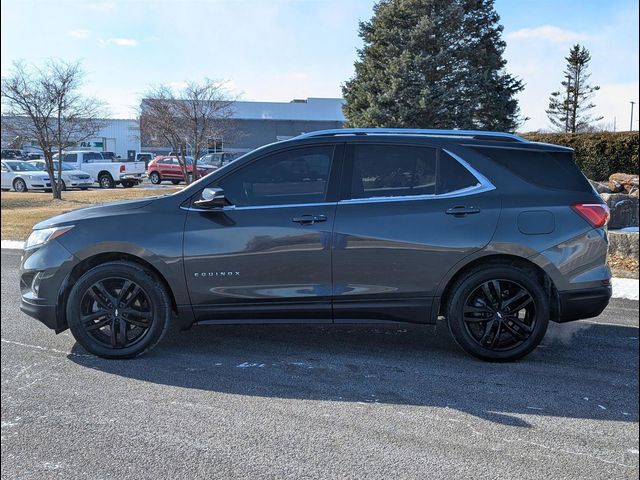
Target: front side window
x=392 y=171
x=294 y=176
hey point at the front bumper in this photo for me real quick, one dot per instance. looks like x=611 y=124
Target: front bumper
x=47 y=314
x=80 y=183
x=580 y=304
x=44 y=273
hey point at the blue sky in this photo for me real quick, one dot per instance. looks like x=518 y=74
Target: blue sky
x=283 y=49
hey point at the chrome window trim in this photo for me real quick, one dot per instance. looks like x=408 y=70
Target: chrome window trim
x=484 y=185
x=261 y=207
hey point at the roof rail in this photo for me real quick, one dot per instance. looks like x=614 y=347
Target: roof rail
x=479 y=134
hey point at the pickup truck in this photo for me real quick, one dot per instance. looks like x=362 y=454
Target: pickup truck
x=105 y=172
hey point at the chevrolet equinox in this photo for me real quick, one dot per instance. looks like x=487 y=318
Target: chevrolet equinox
x=493 y=233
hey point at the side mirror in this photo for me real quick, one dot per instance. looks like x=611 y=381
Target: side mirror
x=211 y=198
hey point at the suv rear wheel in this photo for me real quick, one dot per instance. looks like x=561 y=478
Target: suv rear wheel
x=498 y=313
x=118 y=310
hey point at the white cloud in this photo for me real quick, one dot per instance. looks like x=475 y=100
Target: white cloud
x=79 y=33
x=100 y=7
x=296 y=76
x=177 y=85
x=549 y=33
x=612 y=103
x=120 y=42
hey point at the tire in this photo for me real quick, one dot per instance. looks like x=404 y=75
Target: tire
x=84 y=188
x=486 y=324
x=109 y=315
x=106 y=181
x=175 y=182
x=154 y=177
x=127 y=184
x=19 y=185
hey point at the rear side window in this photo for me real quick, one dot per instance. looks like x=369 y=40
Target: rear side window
x=452 y=176
x=70 y=157
x=92 y=157
x=393 y=171
x=555 y=170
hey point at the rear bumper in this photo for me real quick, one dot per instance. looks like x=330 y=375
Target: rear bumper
x=138 y=177
x=579 y=304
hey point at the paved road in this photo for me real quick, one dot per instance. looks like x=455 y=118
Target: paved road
x=319 y=402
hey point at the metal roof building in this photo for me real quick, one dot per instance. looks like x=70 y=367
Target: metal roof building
x=258 y=123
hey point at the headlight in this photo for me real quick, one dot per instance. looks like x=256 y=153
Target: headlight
x=40 y=237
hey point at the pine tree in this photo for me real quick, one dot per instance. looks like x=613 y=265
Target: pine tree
x=569 y=108
x=432 y=64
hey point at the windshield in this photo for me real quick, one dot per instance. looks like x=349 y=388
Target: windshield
x=22 y=167
x=43 y=166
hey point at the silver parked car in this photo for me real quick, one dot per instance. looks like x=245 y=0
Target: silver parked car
x=22 y=176
x=71 y=177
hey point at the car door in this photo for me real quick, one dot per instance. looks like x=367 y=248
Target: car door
x=407 y=215
x=267 y=255
x=7 y=176
x=170 y=168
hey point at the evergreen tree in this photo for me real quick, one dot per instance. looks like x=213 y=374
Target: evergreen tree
x=432 y=64
x=569 y=108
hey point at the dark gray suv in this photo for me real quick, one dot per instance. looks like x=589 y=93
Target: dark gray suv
x=496 y=234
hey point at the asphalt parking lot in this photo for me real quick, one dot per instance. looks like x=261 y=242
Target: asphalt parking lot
x=319 y=402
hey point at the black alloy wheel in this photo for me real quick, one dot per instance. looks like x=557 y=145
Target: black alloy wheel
x=498 y=312
x=116 y=312
x=500 y=315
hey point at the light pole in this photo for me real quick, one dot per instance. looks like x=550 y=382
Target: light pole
x=631 y=122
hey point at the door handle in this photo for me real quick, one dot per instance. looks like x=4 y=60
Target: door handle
x=309 y=219
x=461 y=211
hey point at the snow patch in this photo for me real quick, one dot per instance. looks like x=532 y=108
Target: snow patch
x=625 y=288
x=12 y=244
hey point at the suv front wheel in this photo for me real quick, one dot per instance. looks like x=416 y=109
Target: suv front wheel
x=118 y=310
x=498 y=313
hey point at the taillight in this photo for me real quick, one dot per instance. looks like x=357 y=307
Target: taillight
x=597 y=214
x=122 y=168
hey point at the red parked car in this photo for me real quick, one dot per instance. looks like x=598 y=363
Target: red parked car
x=166 y=167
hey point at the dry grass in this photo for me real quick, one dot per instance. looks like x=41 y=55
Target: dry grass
x=20 y=211
x=624 y=266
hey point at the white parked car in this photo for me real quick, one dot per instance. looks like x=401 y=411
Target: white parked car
x=71 y=177
x=22 y=176
x=107 y=173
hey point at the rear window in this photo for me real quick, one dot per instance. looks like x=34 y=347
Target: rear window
x=555 y=170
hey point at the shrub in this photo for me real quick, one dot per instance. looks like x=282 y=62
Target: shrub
x=598 y=154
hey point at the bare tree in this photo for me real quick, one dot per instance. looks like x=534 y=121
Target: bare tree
x=188 y=119
x=45 y=105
